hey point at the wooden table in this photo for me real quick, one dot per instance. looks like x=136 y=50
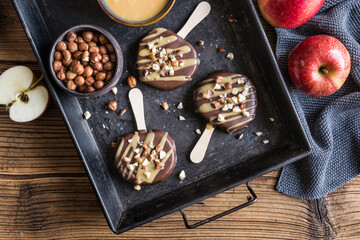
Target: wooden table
x=45 y=193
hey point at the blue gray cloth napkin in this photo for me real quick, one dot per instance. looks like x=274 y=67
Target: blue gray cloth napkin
x=331 y=123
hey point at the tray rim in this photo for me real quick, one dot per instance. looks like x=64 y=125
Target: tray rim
x=302 y=152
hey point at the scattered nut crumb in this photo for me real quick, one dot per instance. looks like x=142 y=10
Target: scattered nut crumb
x=103 y=126
x=137 y=187
x=87 y=115
x=112 y=105
x=114 y=90
x=182 y=175
x=181 y=118
x=232 y=19
x=258 y=134
x=198 y=131
x=106 y=112
x=265 y=141
x=180 y=105
x=221 y=50
x=240 y=136
x=165 y=105
x=272 y=119
x=230 y=56
x=122 y=111
x=201 y=43
x=113 y=144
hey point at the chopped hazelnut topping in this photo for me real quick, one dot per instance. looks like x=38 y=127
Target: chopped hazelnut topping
x=87 y=115
x=145 y=162
x=126 y=159
x=241 y=81
x=230 y=105
x=147 y=174
x=236 y=109
x=234 y=99
x=230 y=56
x=225 y=108
x=235 y=91
x=114 y=90
x=182 y=175
x=180 y=105
x=181 y=118
x=215 y=104
x=241 y=98
x=217 y=86
x=130 y=167
x=245 y=113
x=162 y=154
x=258 y=133
x=218 y=79
x=221 y=118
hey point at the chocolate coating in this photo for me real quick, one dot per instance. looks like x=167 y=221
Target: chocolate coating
x=226 y=100
x=136 y=161
x=162 y=46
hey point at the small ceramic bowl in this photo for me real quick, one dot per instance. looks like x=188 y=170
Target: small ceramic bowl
x=152 y=20
x=118 y=65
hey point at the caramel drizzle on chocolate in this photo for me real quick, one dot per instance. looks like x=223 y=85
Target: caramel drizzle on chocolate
x=239 y=118
x=162 y=42
x=137 y=155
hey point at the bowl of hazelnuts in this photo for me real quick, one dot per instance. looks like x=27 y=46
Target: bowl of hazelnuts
x=86 y=61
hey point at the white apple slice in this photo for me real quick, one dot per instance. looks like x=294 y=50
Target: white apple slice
x=30 y=107
x=14 y=81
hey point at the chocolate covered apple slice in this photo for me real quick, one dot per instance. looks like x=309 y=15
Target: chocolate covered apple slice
x=144 y=157
x=226 y=100
x=165 y=60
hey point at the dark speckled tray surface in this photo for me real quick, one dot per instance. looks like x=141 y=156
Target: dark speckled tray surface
x=229 y=161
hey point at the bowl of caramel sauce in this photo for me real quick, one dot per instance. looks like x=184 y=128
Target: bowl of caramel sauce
x=136 y=12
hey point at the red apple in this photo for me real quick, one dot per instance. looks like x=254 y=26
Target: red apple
x=319 y=65
x=289 y=14
x=19 y=93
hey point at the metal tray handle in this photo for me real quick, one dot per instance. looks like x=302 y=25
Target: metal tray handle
x=250 y=201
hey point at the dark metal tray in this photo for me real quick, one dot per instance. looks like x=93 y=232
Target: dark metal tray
x=229 y=161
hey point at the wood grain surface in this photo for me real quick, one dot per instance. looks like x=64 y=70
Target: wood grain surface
x=45 y=193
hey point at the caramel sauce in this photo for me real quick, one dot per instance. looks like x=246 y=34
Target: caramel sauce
x=136 y=10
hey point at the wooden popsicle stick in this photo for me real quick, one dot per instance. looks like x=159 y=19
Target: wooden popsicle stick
x=198 y=152
x=137 y=105
x=200 y=12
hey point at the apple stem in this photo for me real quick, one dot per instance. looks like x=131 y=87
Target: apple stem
x=36 y=82
x=324 y=70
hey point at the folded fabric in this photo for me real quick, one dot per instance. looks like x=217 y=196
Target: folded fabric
x=331 y=123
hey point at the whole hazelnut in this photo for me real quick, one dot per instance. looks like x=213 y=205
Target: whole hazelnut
x=103 y=40
x=61 y=46
x=105 y=58
x=74 y=62
x=112 y=106
x=88 y=71
x=95 y=57
x=113 y=57
x=85 y=57
x=109 y=76
x=94 y=49
x=108 y=66
x=100 y=76
x=98 y=66
x=79 y=81
x=71 y=36
x=85 y=64
x=95 y=72
x=70 y=75
x=96 y=37
x=89 y=89
x=79 y=40
x=82 y=88
x=110 y=48
x=102 y=50
x=66 y=54
x=66 y=62
x=92 y=44
x=87 y=36
x=71 y=85
x=77 y=55
x=83 y=46
x=89 y=81
x=61 y=75
x=57 y=65
x=99 y=85
x=58 y=56
x=72 y=47
x=78 y=69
